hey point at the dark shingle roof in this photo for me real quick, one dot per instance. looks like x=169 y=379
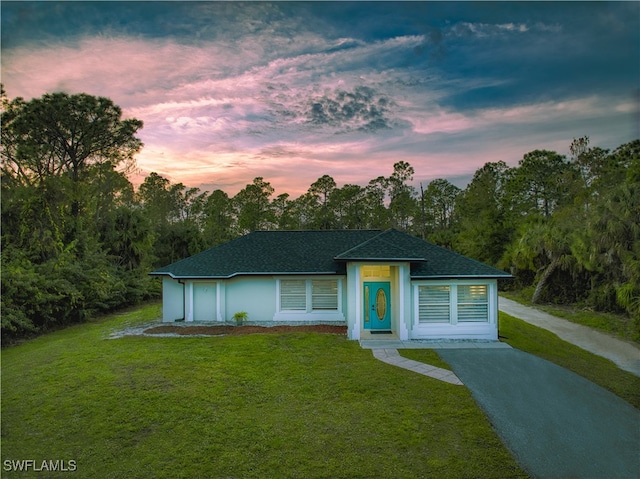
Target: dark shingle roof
x=324 y=252
x=264 y=252
x=384 y=246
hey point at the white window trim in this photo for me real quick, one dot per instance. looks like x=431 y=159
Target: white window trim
x=453 y=303
x=310 y=314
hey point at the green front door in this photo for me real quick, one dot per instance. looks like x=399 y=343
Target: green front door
x=377 y=305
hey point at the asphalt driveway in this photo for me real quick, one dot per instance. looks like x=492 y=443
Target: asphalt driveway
x=556 y=423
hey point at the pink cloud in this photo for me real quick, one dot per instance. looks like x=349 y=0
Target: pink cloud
x=220 y=114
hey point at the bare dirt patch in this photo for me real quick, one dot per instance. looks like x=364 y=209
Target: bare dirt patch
x=238 y=330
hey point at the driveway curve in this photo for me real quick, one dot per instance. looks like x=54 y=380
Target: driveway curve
x=556 y=423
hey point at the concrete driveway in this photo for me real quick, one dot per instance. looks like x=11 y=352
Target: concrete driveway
x=625 y=354
x=556 y=423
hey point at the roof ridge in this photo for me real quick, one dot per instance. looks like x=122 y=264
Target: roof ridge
x=361 y=244
x=405 y=254
x=393 y=245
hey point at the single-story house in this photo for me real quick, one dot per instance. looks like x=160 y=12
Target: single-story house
x=374 y=281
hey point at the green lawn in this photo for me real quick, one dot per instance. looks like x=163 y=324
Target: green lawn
x=291 y=405
x=428 y=356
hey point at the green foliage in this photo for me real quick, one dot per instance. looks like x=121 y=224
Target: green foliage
x=576 y=227
x=73 y=244
x=540 y=183
x=437 y=206
x=218 y=218
x=402 y=202
x=482 y=217
x=322 y=189
x=65 y=134
x=253 y=208
x=22 y=293
x=610 y=248
x=240 y=317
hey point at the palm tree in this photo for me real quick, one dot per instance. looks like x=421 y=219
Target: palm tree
x=543 y=247
x=612 y=244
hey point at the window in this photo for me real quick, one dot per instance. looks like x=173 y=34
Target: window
x=308 y=295
x=293 y=295
x=453 y=303
x=433 y=304
x=376 y=271
x=324 y=294
x=473 y=303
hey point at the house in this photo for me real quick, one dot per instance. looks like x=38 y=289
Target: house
x=374 y=281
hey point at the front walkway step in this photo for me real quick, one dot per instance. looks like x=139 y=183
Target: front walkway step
x=391 y=356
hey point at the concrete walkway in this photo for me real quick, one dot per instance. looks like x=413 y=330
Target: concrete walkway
x=431 y=344
x=625 y=355
x=391 y=356
x=386 y=350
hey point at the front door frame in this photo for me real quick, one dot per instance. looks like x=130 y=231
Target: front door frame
x=377 y=295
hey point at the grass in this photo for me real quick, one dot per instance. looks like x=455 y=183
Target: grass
x=428 y=356
x=547 y=345
x=291 y=405
x=617 y=325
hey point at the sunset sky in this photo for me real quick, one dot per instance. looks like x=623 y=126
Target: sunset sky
x=291 y=91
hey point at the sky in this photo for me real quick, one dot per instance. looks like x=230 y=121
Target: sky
x=292 y=91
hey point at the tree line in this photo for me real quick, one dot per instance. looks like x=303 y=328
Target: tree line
x=79 y=239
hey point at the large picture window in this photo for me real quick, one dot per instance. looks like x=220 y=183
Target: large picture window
x=306 y=295
x=453 y=303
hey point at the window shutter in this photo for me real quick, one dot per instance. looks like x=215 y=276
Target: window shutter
x=324 y=294
x=293 y=295
x=433 y=304
x=473 y=303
